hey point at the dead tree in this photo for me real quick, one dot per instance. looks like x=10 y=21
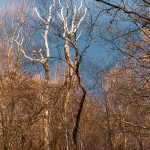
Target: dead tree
x=44 y=60
x=19 y=40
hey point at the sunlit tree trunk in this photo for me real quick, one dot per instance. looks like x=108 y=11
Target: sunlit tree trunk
x=69 y=34
x=37 y=56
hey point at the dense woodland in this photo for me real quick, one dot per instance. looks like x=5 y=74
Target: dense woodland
x=54 y=94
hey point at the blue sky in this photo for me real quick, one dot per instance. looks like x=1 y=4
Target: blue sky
x=98 y=53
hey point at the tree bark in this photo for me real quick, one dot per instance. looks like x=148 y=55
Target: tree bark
x=46 y=71
x=46 y=109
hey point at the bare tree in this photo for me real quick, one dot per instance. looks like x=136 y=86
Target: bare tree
x=135 y=17
x=19 y=40
x=71 y=37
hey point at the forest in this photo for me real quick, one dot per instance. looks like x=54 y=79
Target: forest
x=74 y=75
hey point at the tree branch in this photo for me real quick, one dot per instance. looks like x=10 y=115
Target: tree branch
x=124 y=10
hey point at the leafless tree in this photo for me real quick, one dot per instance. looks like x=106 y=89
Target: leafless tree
x=135 y=19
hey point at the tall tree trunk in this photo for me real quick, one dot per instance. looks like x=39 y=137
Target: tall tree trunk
x=45 y=121
x=46 y=128
x=46 y=108
x=66 y=118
